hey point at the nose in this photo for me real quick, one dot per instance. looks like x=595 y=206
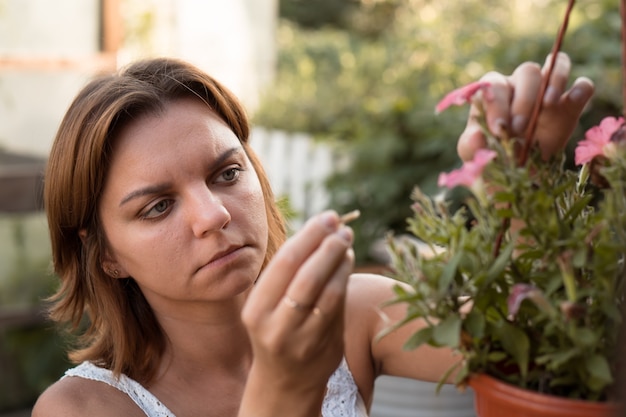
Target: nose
x=206 y=213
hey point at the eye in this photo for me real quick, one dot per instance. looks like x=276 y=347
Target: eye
x=158 y=209
x=230 y=175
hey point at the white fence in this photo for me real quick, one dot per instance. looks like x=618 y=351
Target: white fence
x=297 y=167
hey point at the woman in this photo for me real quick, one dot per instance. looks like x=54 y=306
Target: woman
x=166 y=238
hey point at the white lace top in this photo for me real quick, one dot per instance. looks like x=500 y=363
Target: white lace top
x=342 y=396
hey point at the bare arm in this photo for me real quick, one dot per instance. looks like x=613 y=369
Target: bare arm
x=366 y=296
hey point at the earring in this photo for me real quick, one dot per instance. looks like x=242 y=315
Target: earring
x=113 y=272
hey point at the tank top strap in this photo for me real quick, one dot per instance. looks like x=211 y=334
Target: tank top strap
x=144 y=399
x=342 y=397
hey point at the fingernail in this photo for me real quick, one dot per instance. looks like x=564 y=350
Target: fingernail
x=519 y=124
x=346 y=234
x=551 y=96
x=577 y=95
x=330 y=219
x=500 y=128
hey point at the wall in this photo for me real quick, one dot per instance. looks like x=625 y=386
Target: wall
x=233 y=41
x=36 y=35
x=49 y=49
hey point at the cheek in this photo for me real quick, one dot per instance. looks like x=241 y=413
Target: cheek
x=140 y=250
x=254 y=210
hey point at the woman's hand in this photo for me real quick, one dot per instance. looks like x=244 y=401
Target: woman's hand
x=509 y=107
x=294 y=317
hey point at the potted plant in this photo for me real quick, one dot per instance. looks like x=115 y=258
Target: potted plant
x=525 y=281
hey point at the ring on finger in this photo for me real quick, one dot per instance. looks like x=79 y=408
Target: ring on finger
x=317 y=311
x=294 y=304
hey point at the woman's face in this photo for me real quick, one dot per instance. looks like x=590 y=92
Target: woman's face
x=182 y=208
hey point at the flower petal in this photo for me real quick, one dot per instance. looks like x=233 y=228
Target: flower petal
x=596 y=139
x=469 y=172
x=519 y=293
x=461 y=95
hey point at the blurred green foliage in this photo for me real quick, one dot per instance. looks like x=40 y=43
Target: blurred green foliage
x=31 y=358
x=32 y=353
x=367 y=75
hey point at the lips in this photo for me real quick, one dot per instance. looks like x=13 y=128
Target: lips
x=222 y=257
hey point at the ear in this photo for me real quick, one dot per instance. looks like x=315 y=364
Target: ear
x=111 y=267
x=82 y=233
x=108 y=263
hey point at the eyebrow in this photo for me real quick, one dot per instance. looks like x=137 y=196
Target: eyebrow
x=160 y=188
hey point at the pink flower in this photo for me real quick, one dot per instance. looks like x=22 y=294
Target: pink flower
x=461 y=95
x=521 y=292
x=596 y=140
x=469 y=172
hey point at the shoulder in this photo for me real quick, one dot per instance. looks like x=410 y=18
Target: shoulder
x=369 y=294
x=370 y=314
x=75 y=396
x=368 y=297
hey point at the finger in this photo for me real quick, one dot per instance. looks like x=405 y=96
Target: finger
x=577 y=97
x=554 y=136
x=274 y=280
x=558 y=79
x=330 y=304
x=496 y=102
x=314 y=276
x=327 y=317
x=526 y=79
x=316 y=271
x=471 y=140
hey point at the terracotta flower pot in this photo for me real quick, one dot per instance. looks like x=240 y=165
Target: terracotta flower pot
x=494 y=398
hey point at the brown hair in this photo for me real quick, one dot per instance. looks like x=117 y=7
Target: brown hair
x=121 y=333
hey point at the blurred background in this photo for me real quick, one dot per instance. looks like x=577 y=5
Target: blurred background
x=341 y=95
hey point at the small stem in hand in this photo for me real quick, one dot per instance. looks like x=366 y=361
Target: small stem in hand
x=350 y=216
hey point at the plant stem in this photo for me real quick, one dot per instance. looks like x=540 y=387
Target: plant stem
x=622 y=10
x=532 y=126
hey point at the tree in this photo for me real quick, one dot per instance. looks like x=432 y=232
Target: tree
x=371 y=89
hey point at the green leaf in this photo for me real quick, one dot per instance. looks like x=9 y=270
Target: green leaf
x=503 y=196
x=556 y=359
x=446 y=375
x=448 y=273
x=448 y=332
x=496 y=356
x=501 y=261
x=599 y=369
x=505 y=213
x=424 y=335
x=412 y=316
x=474 y=324
x=463 y=373
x=562 y=381
x=580 y=257
x=516 y=343
x=577 y=208
x=584 y=337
